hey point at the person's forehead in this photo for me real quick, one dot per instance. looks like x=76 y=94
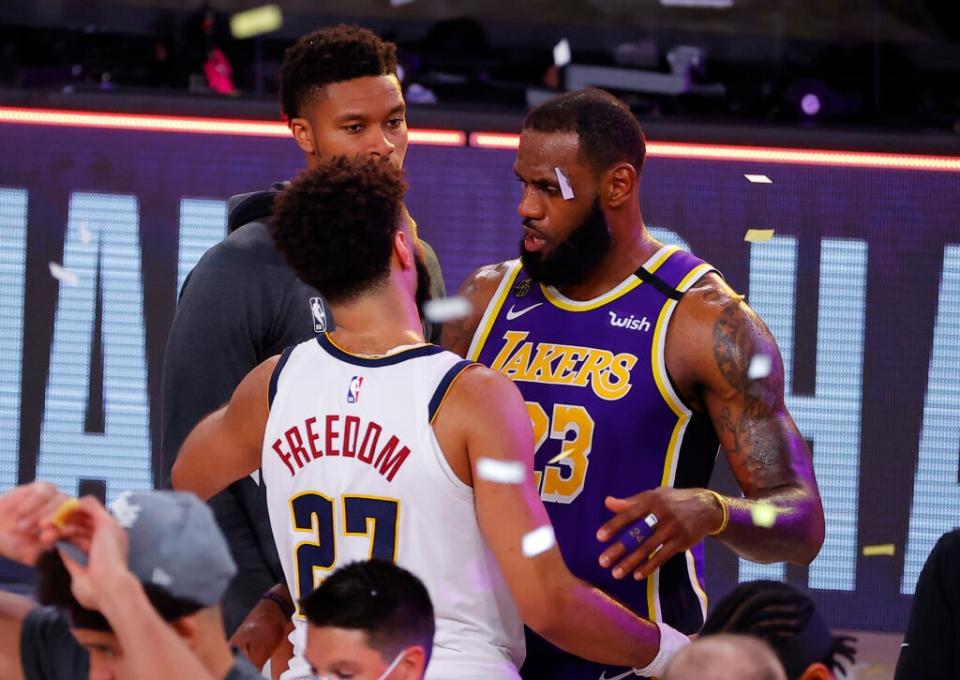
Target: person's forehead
x=369 y=96
x=328 y=638
x=541 y=152
x=94 y=637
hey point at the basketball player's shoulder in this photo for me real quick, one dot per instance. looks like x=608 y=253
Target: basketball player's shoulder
x=478 y=288
x=481 y=391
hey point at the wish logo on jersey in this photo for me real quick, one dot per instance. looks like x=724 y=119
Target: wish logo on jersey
x=353 y=392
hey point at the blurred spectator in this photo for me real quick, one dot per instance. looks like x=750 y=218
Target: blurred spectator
x=789 y=621
x=725 y=657
x=369 y=620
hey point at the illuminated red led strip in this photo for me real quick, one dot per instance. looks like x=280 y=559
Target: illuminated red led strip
x=484 y=140
x=719 y=152
x=183 y=124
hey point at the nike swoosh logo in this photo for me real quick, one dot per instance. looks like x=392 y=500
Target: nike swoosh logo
x=511 y=315
x=603 y=676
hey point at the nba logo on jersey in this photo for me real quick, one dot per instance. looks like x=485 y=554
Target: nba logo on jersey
x=353 y=394
x=319 y=315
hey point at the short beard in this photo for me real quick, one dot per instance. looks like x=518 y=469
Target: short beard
x=576 y=257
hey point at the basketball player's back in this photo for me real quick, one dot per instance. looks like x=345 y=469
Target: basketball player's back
x=353 y=470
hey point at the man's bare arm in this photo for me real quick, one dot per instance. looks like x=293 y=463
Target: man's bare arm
x=13 y=610
x=712 y=339
x=226 y=445
x=485 y=414
x=478 y=289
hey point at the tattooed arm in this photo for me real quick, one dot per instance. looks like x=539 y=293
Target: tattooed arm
x=711 y=340
x=478 y=289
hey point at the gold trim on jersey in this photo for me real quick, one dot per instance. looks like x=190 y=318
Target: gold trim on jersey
x=446 y=392
x=314 y=532
x=493 y=311
x=557 y=299
x=371 y=531
x=673 y=401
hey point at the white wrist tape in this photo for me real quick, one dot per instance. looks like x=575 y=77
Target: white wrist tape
x=671 y=642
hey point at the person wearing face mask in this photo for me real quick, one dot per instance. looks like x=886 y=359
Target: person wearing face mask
x=369 y=621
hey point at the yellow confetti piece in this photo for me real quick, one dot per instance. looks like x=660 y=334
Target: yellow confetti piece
x=560 y=456
x=758 y=235
x=763 y=515
x=59 y=516
x=256 y=21
x=879 y=550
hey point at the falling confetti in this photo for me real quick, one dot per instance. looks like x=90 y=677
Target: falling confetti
x=758 y=235
x=560 y=456
x=60 y=515
x=561 y=53
x=759 y=179
x=539 y=541
x=565 y=189
x=887 y=549
x=85 y=234
x=763 y=515
x=447 y=309
x=759 y=367
x=256 y=21
x=64 y=276
x=500 y=471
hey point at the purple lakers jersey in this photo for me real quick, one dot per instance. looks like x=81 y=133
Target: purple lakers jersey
x=606 y=418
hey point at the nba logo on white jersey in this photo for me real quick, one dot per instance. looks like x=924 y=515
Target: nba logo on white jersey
x=319 y=315
x=353 y=394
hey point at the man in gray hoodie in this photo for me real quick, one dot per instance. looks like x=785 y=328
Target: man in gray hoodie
x=242 y=303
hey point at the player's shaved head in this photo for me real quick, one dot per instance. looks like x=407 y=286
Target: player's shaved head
x=726 y=657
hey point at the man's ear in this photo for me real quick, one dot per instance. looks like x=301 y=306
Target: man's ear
x=186 y=627
x=414 y=663
x=303 y=134
x=404 y=249
x=619 y=184
x=817 y=671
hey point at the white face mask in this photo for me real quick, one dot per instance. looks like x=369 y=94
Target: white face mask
x=383 y=676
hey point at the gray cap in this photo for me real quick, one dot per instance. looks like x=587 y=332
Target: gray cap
x=175 y=544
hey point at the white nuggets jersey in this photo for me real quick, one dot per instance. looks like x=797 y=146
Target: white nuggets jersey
x=353 y=471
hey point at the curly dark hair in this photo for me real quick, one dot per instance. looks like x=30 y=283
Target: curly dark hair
x=779 y=613
x=53 y=589
x=331 y=55
x=609 y=132
x=388 y=603
x=335 y=224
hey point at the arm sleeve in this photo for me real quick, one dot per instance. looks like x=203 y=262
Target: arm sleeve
x=47 y=649
x=931 y=646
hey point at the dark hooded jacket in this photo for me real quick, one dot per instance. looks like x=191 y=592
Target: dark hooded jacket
x=239 y=306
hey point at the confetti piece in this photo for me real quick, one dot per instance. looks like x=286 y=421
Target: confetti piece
x=500 y=471
x=85 y=234
x=256 y=21
x=73 y=552
x=560 y=456
x=565 y=189
x=758 y=235
x=879 y=550
x=763 y=515
x=561 y=53
x=65 y=276
x=759 y=179
x=447 y=309
x=538 y=541
x=760 y=366
x=59 y=516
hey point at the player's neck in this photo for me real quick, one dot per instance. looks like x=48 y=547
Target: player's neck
x=629 y=249
x=378 y=322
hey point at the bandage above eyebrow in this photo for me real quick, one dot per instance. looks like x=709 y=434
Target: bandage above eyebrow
x=565 y=189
